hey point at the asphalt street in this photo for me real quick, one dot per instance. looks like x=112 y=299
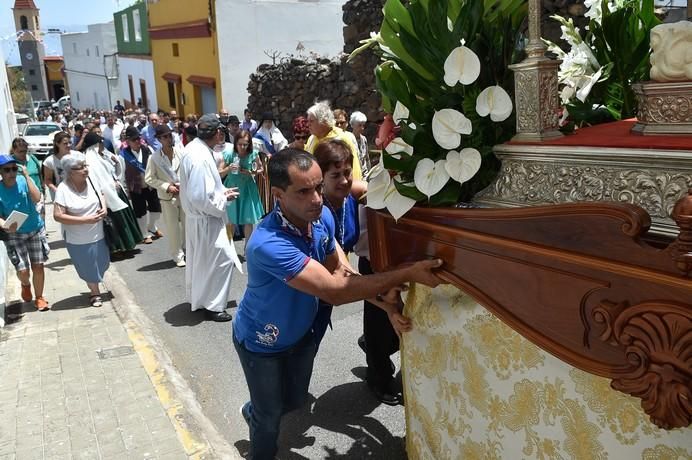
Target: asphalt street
x=342 y=421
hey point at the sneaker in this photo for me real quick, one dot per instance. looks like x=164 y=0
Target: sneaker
x=245 y=411
x=147 y=240
x=180 y=262
x=42 y=304
x=26 y=293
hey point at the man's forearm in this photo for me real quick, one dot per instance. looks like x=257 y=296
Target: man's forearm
x=355 y=287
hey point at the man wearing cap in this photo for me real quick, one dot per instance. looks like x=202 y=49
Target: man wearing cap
x=210 y=256
x=27 y=247
x=145 y=202
x=162 y=174
x=232 y=128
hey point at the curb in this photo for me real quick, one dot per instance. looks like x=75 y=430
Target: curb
x=197 y=434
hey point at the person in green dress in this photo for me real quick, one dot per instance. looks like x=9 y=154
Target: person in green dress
x=242 y=164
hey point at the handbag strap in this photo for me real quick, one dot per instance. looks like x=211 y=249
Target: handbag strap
x=98 y=197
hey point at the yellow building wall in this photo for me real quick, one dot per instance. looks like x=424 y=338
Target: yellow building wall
x=196 y=56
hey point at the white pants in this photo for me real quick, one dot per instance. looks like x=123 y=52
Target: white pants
x=174 y=225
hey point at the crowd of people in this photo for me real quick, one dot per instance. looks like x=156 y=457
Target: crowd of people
x=299 y=206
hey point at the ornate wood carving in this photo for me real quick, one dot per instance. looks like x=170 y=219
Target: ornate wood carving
x=553 y=274
x=657 y=339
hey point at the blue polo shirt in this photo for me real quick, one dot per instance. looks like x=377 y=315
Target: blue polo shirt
x=17 y=198
x=272 y=316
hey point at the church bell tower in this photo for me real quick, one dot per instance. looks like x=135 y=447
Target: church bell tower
x=31 y=49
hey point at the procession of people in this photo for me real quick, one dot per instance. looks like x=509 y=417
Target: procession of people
x=120 y=181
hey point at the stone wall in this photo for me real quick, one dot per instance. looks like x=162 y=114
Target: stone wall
x=290 y=86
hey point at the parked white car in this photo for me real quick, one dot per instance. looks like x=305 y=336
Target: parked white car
x=39 y=136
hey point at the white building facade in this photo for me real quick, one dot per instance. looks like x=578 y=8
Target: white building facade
x=137 y=82
x=248 y=29
x=91 y=67
x=8 y=122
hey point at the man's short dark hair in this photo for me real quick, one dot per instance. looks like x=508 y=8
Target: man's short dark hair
x=280 y=162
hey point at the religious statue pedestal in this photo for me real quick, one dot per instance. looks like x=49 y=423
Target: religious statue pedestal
x=664 y=108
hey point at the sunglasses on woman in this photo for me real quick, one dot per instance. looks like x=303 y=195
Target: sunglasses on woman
x=10 y=169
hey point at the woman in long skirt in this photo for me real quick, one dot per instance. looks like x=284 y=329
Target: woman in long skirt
x=104 y=170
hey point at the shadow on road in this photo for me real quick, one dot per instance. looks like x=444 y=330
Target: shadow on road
x=181 y=315
x=56 y=244
x=343 y=409
x=58 y=265
x=166 y=264
x=78 y=301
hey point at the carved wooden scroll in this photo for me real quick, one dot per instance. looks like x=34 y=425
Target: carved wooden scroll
x=578 y=280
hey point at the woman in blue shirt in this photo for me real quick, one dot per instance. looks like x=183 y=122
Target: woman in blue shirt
x=341 y=197
x=26 y=243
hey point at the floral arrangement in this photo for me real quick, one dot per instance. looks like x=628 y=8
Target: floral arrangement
x=599 y=69
x=444 y=79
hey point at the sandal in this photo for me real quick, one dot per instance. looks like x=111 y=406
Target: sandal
x=95 y=300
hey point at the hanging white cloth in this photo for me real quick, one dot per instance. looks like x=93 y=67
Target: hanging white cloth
x=103 y=174
x=210 y=256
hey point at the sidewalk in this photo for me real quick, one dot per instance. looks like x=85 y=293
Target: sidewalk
x=71 y=383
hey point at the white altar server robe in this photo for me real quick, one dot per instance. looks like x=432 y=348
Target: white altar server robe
x=210 y=256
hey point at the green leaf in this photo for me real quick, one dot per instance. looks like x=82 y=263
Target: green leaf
x=396 y=13
x=409 y=191
x=391 y=40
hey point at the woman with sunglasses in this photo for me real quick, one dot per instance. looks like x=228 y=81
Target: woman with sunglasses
x=241 y=166
x=81 y=210
x=26 y=243
x=301 y=132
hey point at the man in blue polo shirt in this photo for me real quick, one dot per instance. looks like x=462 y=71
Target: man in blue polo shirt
x=292 y=261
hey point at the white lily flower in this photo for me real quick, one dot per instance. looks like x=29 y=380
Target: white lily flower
x=397 y=146
x=462 y=66
x=585 y=89
x=430 y=176
x=401 y=112
x=567 y=94
x=448 y=125
x=463 y=165
x=495 y=101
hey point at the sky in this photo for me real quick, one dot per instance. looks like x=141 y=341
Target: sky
x=66 y=15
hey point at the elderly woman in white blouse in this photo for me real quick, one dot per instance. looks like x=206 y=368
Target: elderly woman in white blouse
x=81 y=210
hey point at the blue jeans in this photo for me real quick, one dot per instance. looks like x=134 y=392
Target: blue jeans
x=278 y=384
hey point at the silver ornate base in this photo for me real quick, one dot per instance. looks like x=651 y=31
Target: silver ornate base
x=664 y=108
x=535 y=175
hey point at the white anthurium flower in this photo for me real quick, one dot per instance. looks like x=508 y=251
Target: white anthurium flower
x=463 y=165
x=461 y=66
x=401 y=113
x=397 y=204
x=382 y=193
x=430 y=176
x=567 y=93
x=495 y=101
x=585 y=89
x=397 y=146
x=378 y=184
x=448 y=125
